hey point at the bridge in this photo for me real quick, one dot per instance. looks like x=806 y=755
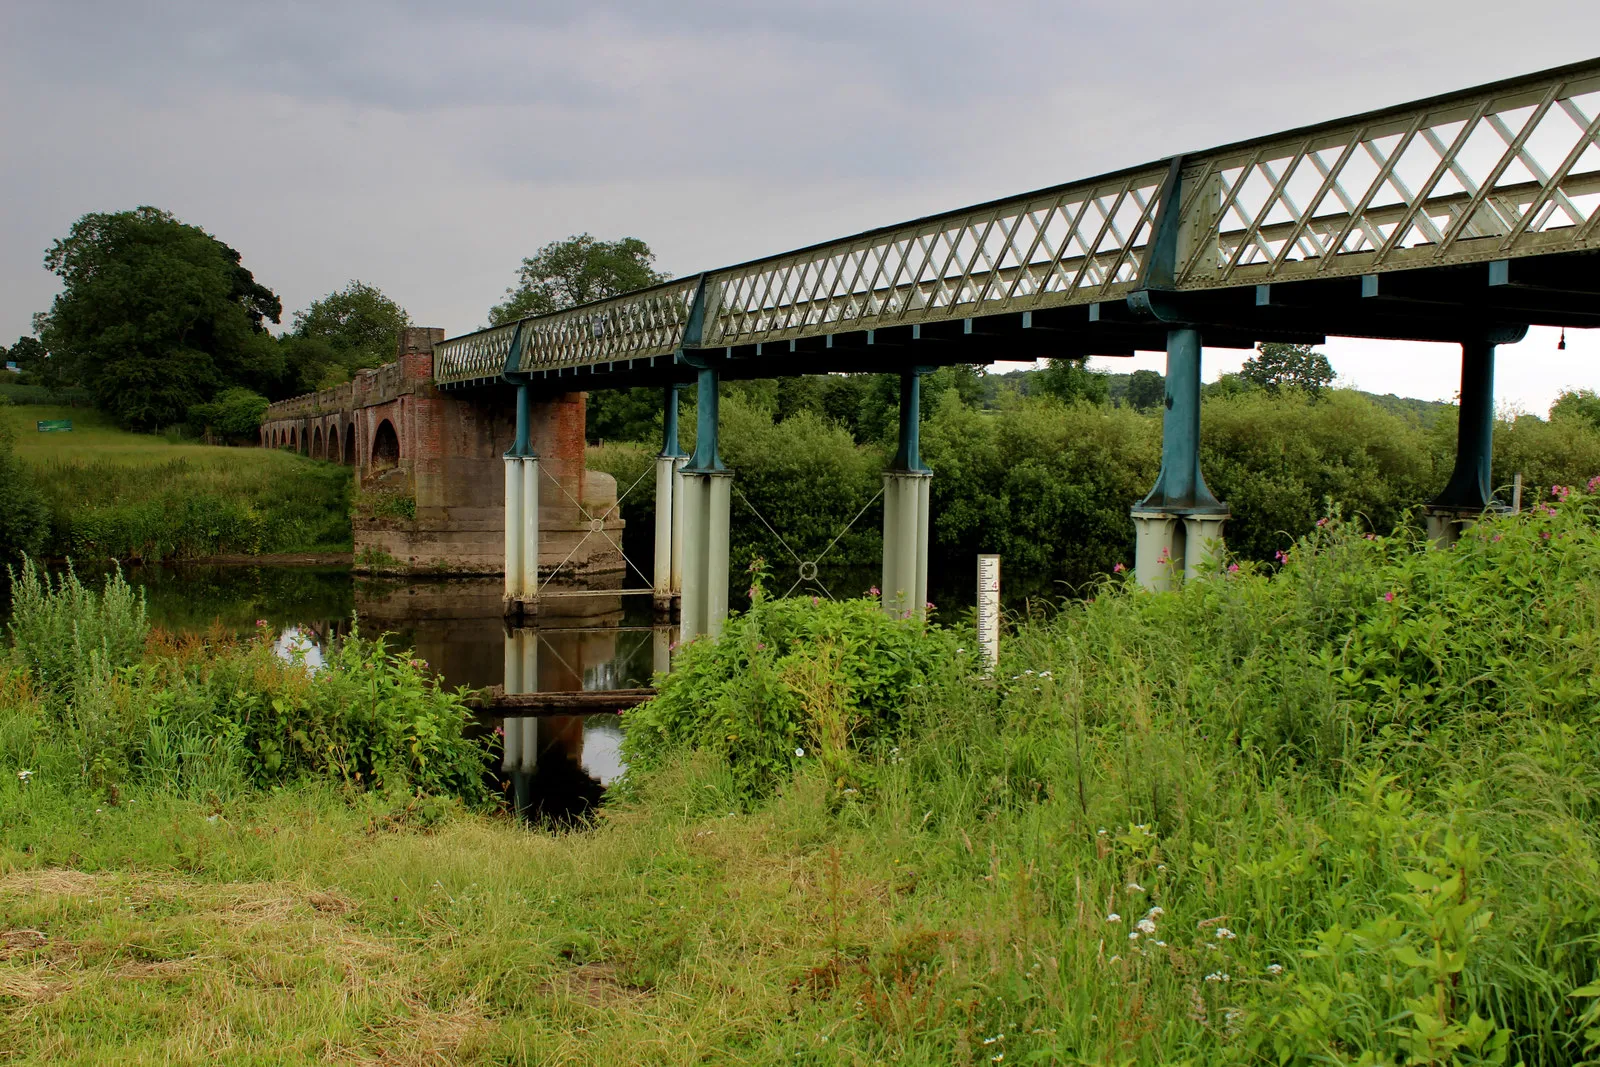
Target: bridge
x=1464 y=218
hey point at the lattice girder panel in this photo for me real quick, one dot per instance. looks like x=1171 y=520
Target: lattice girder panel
x=1070 y=245
x=649 y=322
x=1506 y=171
x=476 y=355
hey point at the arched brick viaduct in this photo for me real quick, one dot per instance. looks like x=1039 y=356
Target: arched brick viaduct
x=430 y=473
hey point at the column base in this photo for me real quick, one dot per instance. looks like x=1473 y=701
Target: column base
x=1445 y=524
x=1169 y=544
x=707 y=496
x=905 y=542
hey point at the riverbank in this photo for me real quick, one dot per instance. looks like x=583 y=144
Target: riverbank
x=1347 y=809
x=112 y=494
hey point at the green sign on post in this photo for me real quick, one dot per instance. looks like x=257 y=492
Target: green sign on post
x=55 y=425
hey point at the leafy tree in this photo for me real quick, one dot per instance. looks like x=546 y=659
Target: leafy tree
x=234 y=415
x=346 y=330
x=1146 y=390
x=579 y=270
x=34 y=363
x=1277 y=364
x=155 y=315
x=1071 y=380
x=1571 y=404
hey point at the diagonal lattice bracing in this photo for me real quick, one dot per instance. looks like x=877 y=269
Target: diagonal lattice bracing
x=1499 y=172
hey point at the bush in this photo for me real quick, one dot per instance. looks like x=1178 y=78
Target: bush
x=792 y=679
x=98 y=707
x=235 y=415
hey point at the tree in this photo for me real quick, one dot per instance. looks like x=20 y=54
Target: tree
x=358 y=320
x=34 y=362
x=1072 y=380
x=235 y=415
x=1276 y=365
x=345 y=331
x=1146 y=390
x=579 y=270
x=155 y=315
x=1577 y=404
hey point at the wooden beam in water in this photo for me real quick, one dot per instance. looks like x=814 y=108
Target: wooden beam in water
x=568 y=702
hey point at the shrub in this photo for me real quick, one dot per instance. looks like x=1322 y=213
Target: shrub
x=792 y=679
x=58 y=623
x=235 y=415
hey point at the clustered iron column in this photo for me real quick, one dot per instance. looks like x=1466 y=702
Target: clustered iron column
x=1470 y=491
x=705 y=488
x=521 y=756
x=522 y=513
x=1178 y=527
x=668 y=581
x=905 y=510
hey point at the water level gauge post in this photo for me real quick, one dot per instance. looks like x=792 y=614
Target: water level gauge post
x=989 y=611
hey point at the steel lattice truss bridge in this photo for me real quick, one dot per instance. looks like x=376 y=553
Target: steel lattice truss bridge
x=1466 y=216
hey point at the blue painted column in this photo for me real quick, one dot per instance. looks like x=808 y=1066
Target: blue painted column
x=1178 y=526
x=1470 y=490
x=906 y=486
x=668 y=577
x=522 y=512
x=706 y=487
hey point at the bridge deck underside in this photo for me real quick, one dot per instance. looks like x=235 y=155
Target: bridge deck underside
x=1429 y=220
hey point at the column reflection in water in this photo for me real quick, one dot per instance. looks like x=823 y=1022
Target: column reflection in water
x=555 y=767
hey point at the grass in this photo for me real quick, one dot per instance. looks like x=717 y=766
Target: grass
x=116 y=494
x=1349 y=808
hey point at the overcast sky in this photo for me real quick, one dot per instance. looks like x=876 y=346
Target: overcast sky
x=426 y=148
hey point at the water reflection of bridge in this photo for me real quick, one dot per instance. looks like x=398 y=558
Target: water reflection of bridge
x=552 y=767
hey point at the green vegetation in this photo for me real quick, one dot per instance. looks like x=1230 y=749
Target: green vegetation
x=579 y=270
x=1344 y=813
x=114 y=494
x=1048 y=485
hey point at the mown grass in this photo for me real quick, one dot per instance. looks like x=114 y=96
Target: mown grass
x=113 y=494
x=1354 y=801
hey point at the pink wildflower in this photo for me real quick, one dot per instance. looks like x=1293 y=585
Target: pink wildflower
x=873 y=591
x=816 y=600
x=1233 y=568
x=1322 y=521
x=928 y=605
x=1388 y=598
x=1283 y=557
x=1560 y=491
x=1545 y=534
x=1118 y=569
x=261 y=623
x=1594 y=483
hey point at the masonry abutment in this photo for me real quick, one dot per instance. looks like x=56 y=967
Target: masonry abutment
x=706 y=487
x=1178 y=526
x=906 y=492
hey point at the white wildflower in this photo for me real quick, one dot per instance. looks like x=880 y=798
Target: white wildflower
x=1155 y=912
x=1274 y=968
x=1161 y=944
x=1133 y=935
x=1113 y=918
x=1218 y=976
x=1134 y=887
x=23 y=776
x=800 y=752
x=1146 y=926
x=1225 y=934
x=1046 y=674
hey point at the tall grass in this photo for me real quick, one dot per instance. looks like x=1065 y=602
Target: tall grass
x=1343 y=813
x=118 y=495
